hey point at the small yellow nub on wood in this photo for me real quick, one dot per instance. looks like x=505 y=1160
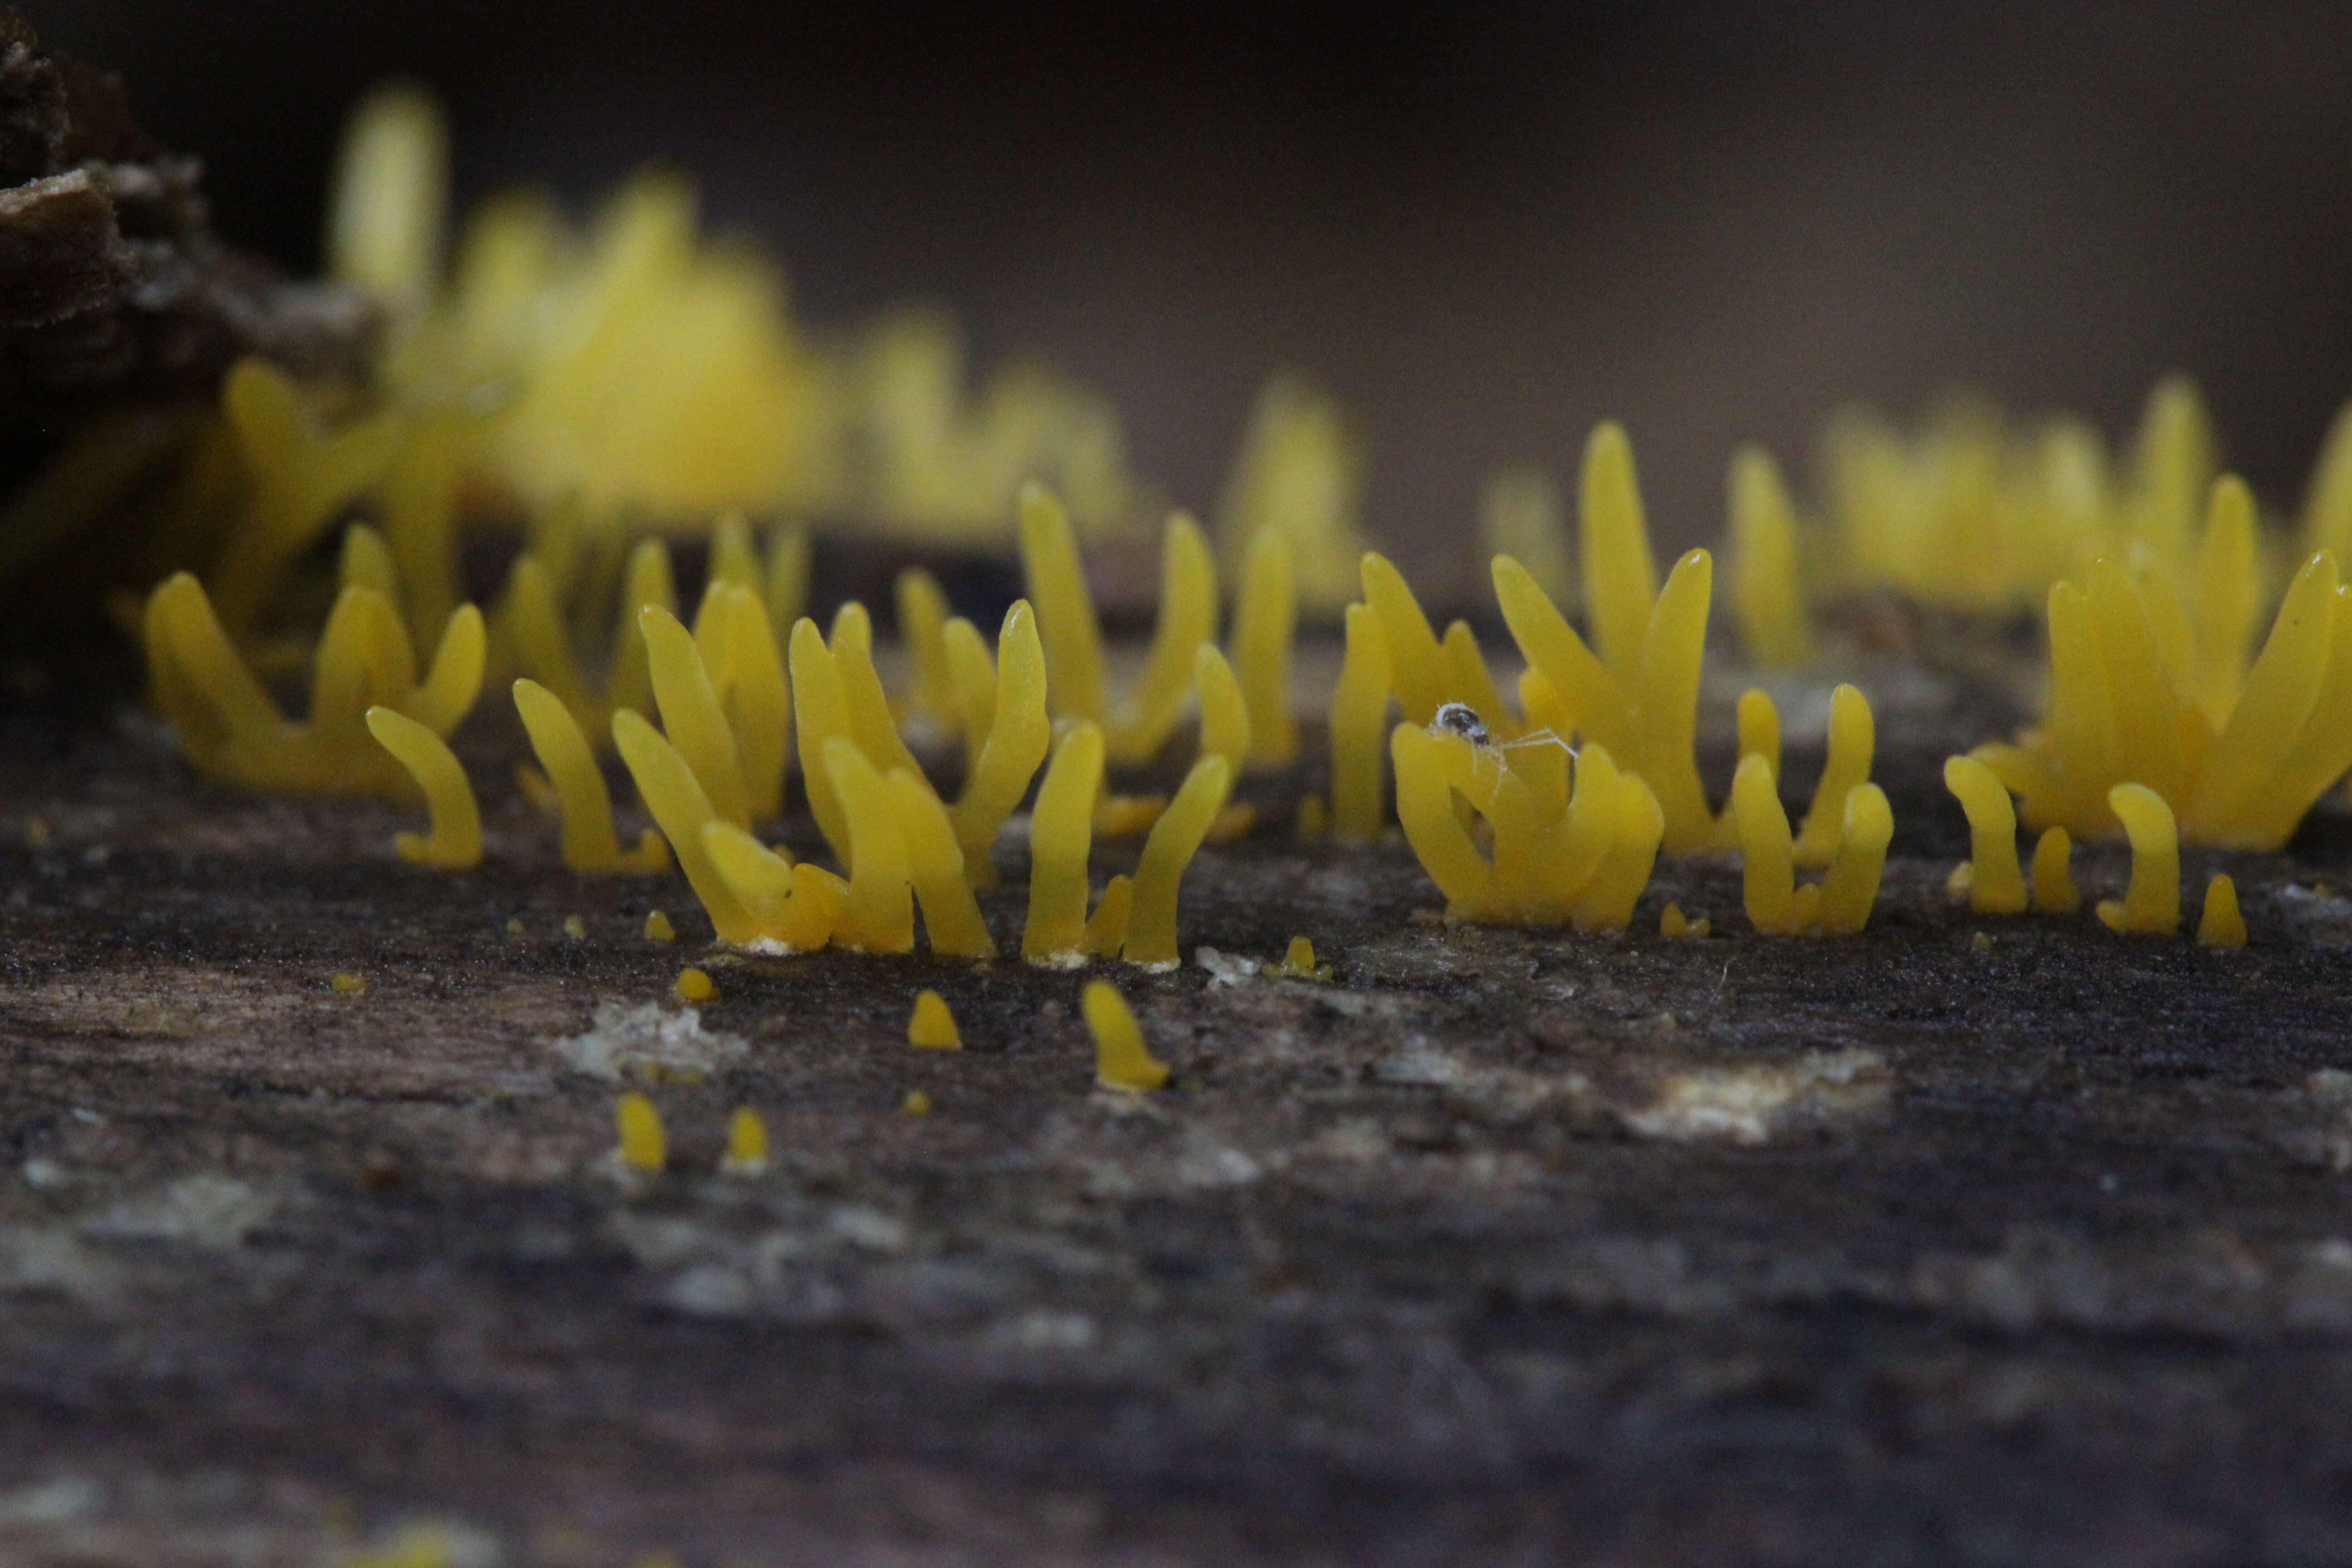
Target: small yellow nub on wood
x=932 y=1027
x=658 y=928
x=1065 y=606
x=1121 y=1061
x=1175 y=839
x=514 y=925
x=1061 y=835
x=694 y=986
x=1359 y=710
x=917 y=1103
x=642 y=1146
x=2053 y=877
x=455 y=841
x=343 y=980
x=747 y=1144
x=2152 y=903
x=575 y=927
x=2221 y=924
x=1298 y=962
x=1996 y=886
x=1673 y=922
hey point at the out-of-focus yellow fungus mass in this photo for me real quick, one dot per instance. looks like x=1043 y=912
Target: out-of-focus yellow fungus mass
x=2152 y=903
x=1673 y=922
x=747 y=1144
x=645 y=1148
x=455 y=841
x=2221 y=924
x=1121 y=1060
x=2054 y=874
x=916 y=1104
x=1767 y=596
x=1299 y=475
x=932 y=1027
x=346 y=981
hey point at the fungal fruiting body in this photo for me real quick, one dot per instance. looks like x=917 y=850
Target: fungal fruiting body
x=2054 y=874
x=1298 y=962
x=1174 y=839
x=455 y=839
x=590 y=843
x=1840 y=903
x=1995 y=884
x=658 y=928
x=2152 y=903
x=747 y=1144
x=1673 y=922
x=1264 y=623
x=1018 y=734
x=1358 y=718
x=2221 y=924
x=1061 y=835
x=694 y=986
x=1121 y=1060
x=643 y=1147
x=1066 y=607
x=1188 y=620
x=1766 y=594
x=932 y=1027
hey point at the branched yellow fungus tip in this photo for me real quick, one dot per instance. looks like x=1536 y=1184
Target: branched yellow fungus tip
x=455 y=841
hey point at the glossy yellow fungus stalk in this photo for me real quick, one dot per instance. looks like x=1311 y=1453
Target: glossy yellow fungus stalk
x=1224 y=710
x=1300 y=473
x=789 y=907
x=646 y=581
x=1173 y=841
x=820 y=713
x=865 y=703
x=739 y=659
x=1359 y=721
x=951 y=920
x=2054 y=874
x=922 y=625
x=1852 y=740
x=590 y=842
x=2152 y=903
x=932 y=1027
x=972 y=677
x=1018 y=734
x=1107 y=927
x=1768 y=598
x=390 y=198
x=1560 y=856
x=420 y=500
x=1265 y=622
x=2221 y=924
x=1995 y=884
x=299 y=475
x=645 y=1148
x=878 y=915
x=680 y=808
x=1759 y=729
x=2119 y=712
x=747 y=1144
x=1838 y=905
x=231 y=729
x=1121 y=1060
x=785 y=577
x=1061 y=838
x=535 y=638
x=691 y=716
x=1426 y=672
x=1520 y=516
x=1066 y=607
x=1188 y=622
x=455 y=841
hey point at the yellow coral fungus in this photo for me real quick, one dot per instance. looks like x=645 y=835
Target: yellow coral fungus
x=1066 y=607
x=2221 y=924
x=680 y=808
x=2152 y=904
x=1121 y=1059
x=1175 y=839
x=2053 y=874
x=1061 y=836
x=1018 y=734
x=690 y=714
x=935 y=867
x=1560 y=856
x=230 y=728
x=737 y=648
x=2120 y=711
x=590 y=843
x=1358 y=720
x=455 y=839
x=1298 y=962
x=922 y=627
x=747 y=1144
x=344 y=982
x=1107 y=927
x=658 y=928
x=1520 y=516
x=694 y=986
x=1224 y=711
x=1300 y=474
x=1188 y=620
x=879 y=914
x=1852 y=740
x=788 y=907
x=1264 y=622
x=1840 y=904
x=1996 y=886
x=932 y=1027
x=643 y=1147
x=1767 y=595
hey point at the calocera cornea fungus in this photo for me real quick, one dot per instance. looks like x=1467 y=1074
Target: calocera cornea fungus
x=590 y=842
x=2152 y=903
x=1838 y=905
x=455 y=841
x=1121 y=1060
x=645 y=1148
x=932 y=1026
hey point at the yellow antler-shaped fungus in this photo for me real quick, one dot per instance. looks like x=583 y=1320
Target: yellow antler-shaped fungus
x=1188 y=621
x=2152 y=904
x=878 y=915
x=791 y=908
x=1018 y=736
x=1996 y=886
x=1841 y=902
x=1852 y=739
x=1121 y=1059
x=455 y=842
x=681 y=809
x=1065 y=606
x=690 y=714
x=590 y=842
x=747 y=674
x=1061 y=836
x=1265 y=623
x=1173 y=841
x=922 y=627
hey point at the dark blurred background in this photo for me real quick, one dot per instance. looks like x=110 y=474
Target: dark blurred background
x=1482 y=225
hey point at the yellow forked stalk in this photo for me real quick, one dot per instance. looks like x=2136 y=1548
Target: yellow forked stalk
x=1996 y=886
x=1173 y=841
x=747 y=674
x=1427 y=673
x=1188 y=622
x=2122 y=710
x=590 y=842
x=1838 y=905
x=1852 y=740
x=1065 y=606
x=534 y=635
x=2152 y=904
x=682 y=809
x=1018 y=733
x=455 y=839
x=1560 y=858
x=230 y=728
x=1061 y=835
x=690 y=714
x=792 y=907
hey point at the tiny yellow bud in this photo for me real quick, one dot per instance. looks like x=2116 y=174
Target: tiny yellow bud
x=642 y=1146
x=1673 y=922
x=1120 y=1059
x=514 y=926
x=342 y=980
x=1979 y=942
x=575 y=927
x=1314 y=819
x=2222 y=925
x=694 y=986
x=932 y=1027
x=917 y=1103
x=658 y=928
x=36 y=833
x=747 y=1144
